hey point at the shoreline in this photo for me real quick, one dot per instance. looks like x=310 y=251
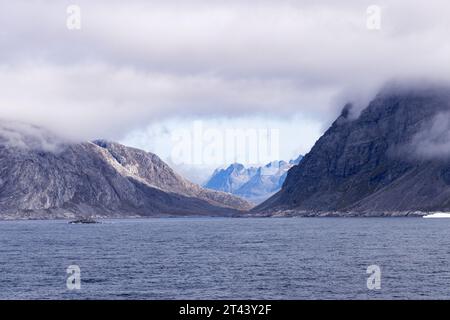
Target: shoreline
x=267 y=215
x=345 y=214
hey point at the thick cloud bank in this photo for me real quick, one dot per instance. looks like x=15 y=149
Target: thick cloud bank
x=137 y=62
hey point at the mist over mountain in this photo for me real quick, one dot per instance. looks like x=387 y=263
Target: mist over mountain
x=100 y=178
x=255 y=184
x=393 y=159
x=128 y=67
x=21 y=135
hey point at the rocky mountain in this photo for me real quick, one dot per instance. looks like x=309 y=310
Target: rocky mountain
x=230 y=179
x=393 y=159
x=43 y=179
x=255 y=184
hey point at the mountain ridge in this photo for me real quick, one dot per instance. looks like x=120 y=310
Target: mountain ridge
x=255 y=184
x=100 y=178
x=370 y=165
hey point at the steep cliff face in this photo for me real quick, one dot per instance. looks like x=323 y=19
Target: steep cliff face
x=393 y=158
x=99 y=178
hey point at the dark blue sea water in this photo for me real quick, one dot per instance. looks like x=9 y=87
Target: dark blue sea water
x=225 y=258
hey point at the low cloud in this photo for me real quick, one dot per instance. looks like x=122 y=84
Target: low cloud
x=25 y=136
x=96 y=100
x=433 y=142
x=139 y=62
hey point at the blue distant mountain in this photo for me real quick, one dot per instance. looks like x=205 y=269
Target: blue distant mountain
x=255 y=184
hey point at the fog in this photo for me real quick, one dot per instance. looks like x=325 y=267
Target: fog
x=433 y=141
x=29 y=137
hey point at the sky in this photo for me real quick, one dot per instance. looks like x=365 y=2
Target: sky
x=178 y=77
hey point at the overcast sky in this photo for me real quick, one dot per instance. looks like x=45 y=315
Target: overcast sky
x=136 y=68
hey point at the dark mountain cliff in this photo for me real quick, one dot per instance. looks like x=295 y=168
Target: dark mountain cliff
x=392 y=159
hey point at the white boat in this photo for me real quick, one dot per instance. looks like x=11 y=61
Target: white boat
x=438 y=215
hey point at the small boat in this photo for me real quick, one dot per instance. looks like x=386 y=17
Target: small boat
x=84 y=221
x=437 y=215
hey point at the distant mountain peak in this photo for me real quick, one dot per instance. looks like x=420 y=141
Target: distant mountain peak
x=254 y=183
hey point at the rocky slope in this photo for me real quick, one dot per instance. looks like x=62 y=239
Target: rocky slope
x=394 y=159
x=255 y=184
x=96 y=179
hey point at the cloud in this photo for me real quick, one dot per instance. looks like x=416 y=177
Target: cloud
x=29 y=137
x=433 y=142
x=140 y=62
x=99 y=100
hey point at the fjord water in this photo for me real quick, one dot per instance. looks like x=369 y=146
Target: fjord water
x=226 y=258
